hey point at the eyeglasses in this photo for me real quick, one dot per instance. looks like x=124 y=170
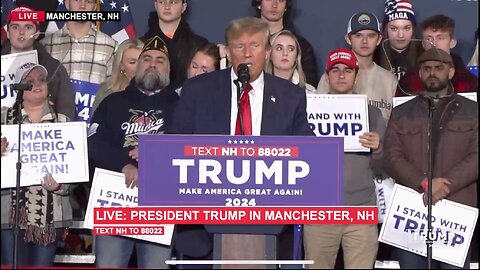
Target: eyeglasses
x=170 y=2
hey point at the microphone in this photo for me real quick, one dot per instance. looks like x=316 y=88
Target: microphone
x=240 y=83
x=243 y=73
x=21 y=87
x=34 y=35
x=432 y=99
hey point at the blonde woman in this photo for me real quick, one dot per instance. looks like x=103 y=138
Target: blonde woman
x=124 y=67
x=285 y=59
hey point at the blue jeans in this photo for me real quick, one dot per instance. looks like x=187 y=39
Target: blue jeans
x=29 y=254
x=409 y=260
x=115 y=251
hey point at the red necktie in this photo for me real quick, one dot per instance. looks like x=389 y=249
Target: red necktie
x=245 y=112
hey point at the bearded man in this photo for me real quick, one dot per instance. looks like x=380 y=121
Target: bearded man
x=453 y=141
x=145 y=107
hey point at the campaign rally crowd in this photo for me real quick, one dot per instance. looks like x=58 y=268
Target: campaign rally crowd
x=175 y=81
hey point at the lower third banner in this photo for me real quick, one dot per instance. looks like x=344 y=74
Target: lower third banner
x=109 y=189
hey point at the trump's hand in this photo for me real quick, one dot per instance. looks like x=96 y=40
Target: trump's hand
x=131 y=175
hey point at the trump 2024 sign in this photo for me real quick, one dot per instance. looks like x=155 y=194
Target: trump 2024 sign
x=185 y=170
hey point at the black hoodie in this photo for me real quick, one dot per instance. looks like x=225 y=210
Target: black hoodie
x=180 y=48
x=120 y=118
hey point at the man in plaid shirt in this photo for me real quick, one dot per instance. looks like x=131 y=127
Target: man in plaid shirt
x=86 y=53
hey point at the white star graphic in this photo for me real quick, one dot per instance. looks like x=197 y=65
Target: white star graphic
x=125 y=7
x=60 y=2
x=113 y=4
x=246 y=142
x=241 y=141
x=229 y=141
x=235 y=141
x=252 y=141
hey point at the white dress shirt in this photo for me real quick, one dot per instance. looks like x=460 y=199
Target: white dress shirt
x=256 y=104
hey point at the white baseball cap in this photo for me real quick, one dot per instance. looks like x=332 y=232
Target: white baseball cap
x=25 y=69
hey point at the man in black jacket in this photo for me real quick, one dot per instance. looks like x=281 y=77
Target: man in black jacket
x=275 y=13
x=168 y=24
x=145 y=107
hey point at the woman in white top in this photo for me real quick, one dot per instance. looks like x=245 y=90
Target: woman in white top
x=286 y=58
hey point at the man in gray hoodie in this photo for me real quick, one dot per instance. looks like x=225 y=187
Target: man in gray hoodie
x=359 y=241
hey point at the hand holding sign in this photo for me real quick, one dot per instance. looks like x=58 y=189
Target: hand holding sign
x=440 y=190
x=134 y=153
x=131 y=175
x=370 y=140
x=49 y=183
x=4 y=145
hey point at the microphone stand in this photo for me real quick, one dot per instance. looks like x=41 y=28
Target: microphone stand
x=429 y=240
x=16 y=228
x=240 y=87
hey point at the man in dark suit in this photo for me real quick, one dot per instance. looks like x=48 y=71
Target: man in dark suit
x=208 y=104
x=272 y=106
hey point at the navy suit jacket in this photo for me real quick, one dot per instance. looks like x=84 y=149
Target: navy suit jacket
x=205 y=106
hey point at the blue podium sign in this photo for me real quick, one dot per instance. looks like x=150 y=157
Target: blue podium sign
x=185 y=170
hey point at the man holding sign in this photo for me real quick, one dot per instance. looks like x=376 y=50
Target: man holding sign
x=454 y=142
x=144 y=107
x=359 y=241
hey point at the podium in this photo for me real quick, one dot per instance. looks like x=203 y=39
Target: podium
x=233 y=172
x=245 y=242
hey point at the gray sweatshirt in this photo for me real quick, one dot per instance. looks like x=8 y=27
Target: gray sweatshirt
x=361 y=167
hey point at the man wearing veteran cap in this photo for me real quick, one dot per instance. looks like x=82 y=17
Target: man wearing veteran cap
x=359 y=242
x=454 y=139
x=363 y=34
x=22 y=37
x=145 y=107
